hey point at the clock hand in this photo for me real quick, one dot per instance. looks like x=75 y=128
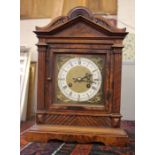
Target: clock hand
x=81 y=79
x=86 y=78
x=78 y=79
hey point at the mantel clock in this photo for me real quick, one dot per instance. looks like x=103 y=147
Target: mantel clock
x=79 y=80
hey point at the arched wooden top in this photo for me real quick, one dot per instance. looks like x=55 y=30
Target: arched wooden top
x=83 y=13
x=80 y=11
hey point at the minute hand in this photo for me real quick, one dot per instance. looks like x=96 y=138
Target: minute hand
x=87 y=79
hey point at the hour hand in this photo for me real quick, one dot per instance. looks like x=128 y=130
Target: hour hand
x=77 y=79
x=86 y=78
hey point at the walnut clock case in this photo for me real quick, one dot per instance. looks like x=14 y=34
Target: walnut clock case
x=79 y=80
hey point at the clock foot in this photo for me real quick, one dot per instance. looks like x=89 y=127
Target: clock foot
x=108 y=136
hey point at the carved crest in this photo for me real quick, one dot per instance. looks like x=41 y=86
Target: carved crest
x=83 y=17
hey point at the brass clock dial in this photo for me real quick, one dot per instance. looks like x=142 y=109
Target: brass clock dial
x=79 y=79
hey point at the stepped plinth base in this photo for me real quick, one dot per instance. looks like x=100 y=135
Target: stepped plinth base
x=108 y=136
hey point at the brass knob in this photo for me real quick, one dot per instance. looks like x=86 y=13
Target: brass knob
x=49 y=78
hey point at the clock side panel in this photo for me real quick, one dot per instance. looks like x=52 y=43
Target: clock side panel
x=41 y=104
x=117 y=69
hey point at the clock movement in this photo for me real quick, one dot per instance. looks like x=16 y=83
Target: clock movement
x=79 y=80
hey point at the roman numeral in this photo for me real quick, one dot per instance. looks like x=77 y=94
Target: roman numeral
x=88 y=95
x=95 y=70
x=70 y=94
x=64 y=87
x=94 y=88
x=88 y=64
x=78 y=97
x=64 y=70
x=96 y=79
x=79 y=61
x=71 y=63
x=61 y=79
